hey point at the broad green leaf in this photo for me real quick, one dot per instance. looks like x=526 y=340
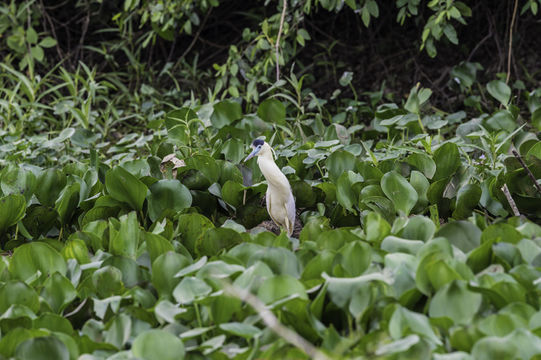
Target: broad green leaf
x=30 y=258
x=124 y=235
x=450 y=302
x=39 y=219
x=272 y=111
x=280 y=260
x=280 y=286
x=232 y=193
x=12 y=208
x=345 y=192
x=158 y=344
x=234 y=150
x=192 y=227
x=404 y=321
x=399 y=191
x=340 y=162
x=18 y=181
x=17 y=292
x=107 y=281
x=51 y=182
x=58 y=292
x=356 y=257
x=216 y=240
x=191 y=289
x=225 y=113
x=125 y=187
x=240 y=329
x=419 y=228
x=467 y=199
x=167 y=196
x=42 y=348
x=447 y=161
x=462 y=234
x=156 y=245
x=376 y=227
x=163 y=268
x=499 y=91
x=501 y=232
x=423 y=163
x=67 y=202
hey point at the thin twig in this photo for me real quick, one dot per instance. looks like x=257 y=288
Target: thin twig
x=274 y=324
x=277 y=45
x=194 y=38
x=77 y=309
x=509 y=50
x=510 y=200
x=528 y=171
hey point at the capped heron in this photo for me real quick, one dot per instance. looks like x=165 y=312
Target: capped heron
x=280 y=201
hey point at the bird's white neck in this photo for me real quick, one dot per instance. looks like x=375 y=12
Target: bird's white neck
x=271 y=172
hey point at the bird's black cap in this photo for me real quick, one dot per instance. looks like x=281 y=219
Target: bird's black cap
x=258 y=142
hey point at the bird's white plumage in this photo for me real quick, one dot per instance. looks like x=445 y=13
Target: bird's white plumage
x=280 y=201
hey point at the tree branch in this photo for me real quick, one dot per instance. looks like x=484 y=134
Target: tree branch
x=277 y=45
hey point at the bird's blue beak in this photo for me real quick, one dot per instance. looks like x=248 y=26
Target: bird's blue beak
x=253 y=153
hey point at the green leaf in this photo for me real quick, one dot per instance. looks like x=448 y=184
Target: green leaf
x=216 y=240
x=157 y=245
x=17 y=292
x=467 y=199
x=225 y=113
x=51 y=182
x=107 y=281
x=462 y=234
x=449 y=302
x=30 y=258
x=447 y=161
x=405 y=321
x=345 y=194
x=499 y=91
x=67 y=202
x=191 y=289
x=31 y=35
x=232 y=193
x=280 y=286
x=423 y=163
x=47 y=42
x=340 y=162
x=272 y=111
x=18 y=181
x=163 y=267
x=124 y=235
x=125 y=187
x=192 y=227
x=42 y=348
x=419 y=228
x=12 y=208
x=167 y=195
x=158 y=344
x=240 y=329
x=58 y=292
x=356 y=257
x=399 y=191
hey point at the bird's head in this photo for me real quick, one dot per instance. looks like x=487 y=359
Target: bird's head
x=260 y=148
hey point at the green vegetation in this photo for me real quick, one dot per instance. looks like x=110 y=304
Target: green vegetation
x=129 y=222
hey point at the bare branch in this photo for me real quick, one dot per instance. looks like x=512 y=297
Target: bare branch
x=510 y=200
x=510 y=46
x=277 y=45
x=273 y=323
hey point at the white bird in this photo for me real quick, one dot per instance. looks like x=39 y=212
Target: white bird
x=280 y=201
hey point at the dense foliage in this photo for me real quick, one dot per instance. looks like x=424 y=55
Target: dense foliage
x=130 y=226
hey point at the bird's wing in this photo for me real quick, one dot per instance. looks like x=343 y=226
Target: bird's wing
x=268 y=200
x=290 y=210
